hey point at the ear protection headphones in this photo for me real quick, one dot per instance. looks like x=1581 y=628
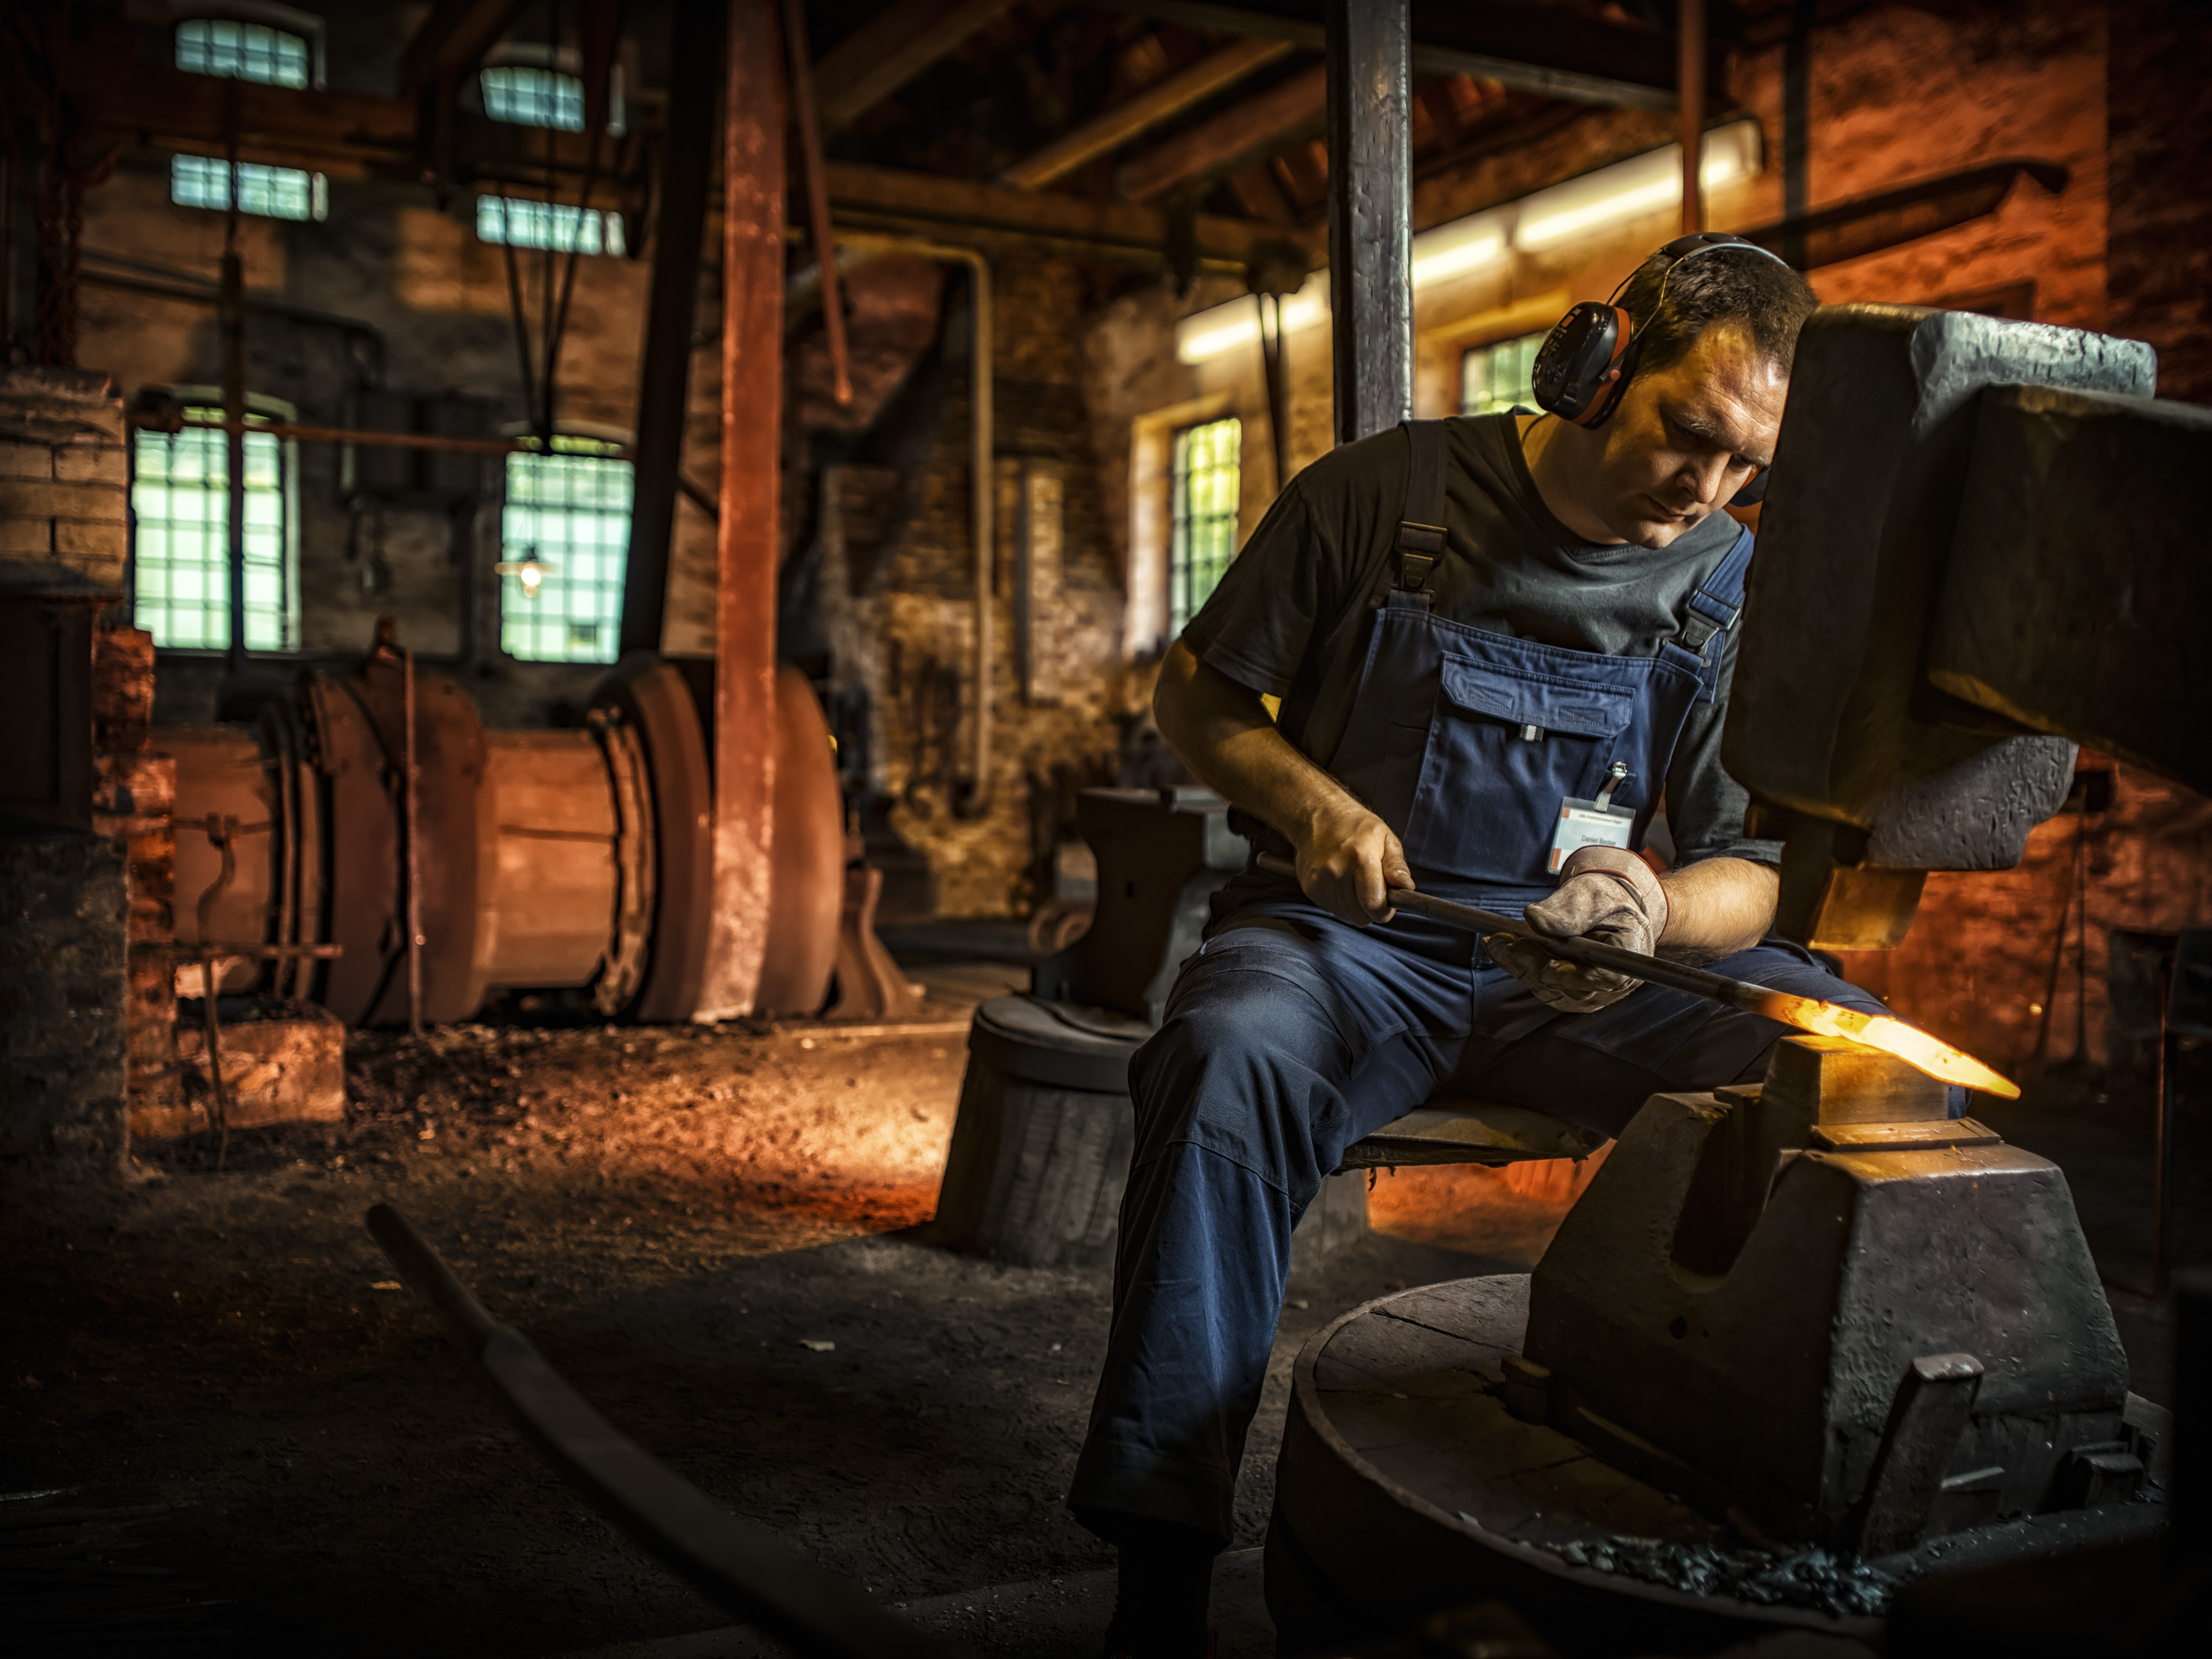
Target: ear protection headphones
x=1590 y=356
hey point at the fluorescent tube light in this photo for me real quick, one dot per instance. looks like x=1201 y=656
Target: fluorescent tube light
x=1642 y=185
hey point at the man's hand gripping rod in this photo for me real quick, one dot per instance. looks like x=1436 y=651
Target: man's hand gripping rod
x=1909 y=1043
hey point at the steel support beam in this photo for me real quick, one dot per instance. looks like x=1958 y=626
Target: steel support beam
x=1370 y=213
x=665 y=378
x=747 y=544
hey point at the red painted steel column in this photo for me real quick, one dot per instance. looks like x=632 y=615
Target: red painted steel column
x=744 y=605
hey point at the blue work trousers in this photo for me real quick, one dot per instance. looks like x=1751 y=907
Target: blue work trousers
x=1288 y=1037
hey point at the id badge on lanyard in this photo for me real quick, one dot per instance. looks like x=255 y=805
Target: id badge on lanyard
x=1592 y=822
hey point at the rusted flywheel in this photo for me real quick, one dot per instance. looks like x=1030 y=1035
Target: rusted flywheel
x=543 y=859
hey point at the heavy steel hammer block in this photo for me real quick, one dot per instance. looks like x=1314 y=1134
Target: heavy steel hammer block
x=1870 y=774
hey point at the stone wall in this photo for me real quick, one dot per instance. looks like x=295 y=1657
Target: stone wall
x=892 y=560
x=62 y=1039
x=62 y=479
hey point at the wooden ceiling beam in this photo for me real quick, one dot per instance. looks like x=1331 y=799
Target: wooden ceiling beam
x=888 y=51
x=1233 y=139
x=1159 y=102
x=452 y=40
x=1522 y=46
x=925 y=203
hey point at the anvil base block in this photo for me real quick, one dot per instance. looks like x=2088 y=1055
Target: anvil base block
x=1783 y=1368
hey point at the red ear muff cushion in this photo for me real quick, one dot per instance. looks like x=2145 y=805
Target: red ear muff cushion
x=1579 y=367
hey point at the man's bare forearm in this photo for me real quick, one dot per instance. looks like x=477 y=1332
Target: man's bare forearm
x=1347 y=858
x=1222 y=733
x=1717 y=906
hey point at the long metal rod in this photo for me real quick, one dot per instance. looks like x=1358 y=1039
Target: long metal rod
x=817 y=193
x=1930 y=1054
x=738 y=1563
x=408 y=785
x=217 y=1094
x=1690 y=92
x=2162 y=1164
x=1737 y=992
x=342 y=434
x=233 y=319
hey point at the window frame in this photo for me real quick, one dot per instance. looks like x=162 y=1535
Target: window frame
x=1533 y=339
x=614 y=438
x=1180 y=561
x=287 y=20
x=293 y=613
x=612 y=243
x=557 y=60
x=318 y=189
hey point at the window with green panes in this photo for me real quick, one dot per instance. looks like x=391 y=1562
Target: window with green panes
x=180 y=539
x=1495 y=378
x=533 y=97
x=564 y=541
x=247 y=52
x=1202 y=528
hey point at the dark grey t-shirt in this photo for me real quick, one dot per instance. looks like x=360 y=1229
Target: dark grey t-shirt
x=1289 y=618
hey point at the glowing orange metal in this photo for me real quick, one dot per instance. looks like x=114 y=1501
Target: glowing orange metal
x=1909 y=1043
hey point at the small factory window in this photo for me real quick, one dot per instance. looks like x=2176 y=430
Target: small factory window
x=180 y=537
x=203 y=181
x=1495 y=378
x=1202 y=532
x=525 y=223
x=246 y=51
x=533 y=97
x=564 y=541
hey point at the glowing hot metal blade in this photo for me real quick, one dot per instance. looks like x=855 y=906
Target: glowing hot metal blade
x=1914 y=1046
x=1909 y=1043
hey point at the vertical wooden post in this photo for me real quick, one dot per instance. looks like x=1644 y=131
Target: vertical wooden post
x=1369 y=212
x=665 y=379
x=752 y=419
x=1690 y=89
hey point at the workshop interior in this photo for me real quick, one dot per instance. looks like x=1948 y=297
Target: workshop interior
x=589 y=880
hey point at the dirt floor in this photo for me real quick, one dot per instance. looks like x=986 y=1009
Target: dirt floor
x=219 y=1377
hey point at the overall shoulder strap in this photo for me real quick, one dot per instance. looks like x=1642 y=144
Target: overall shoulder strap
x=1719 y=600
x=1421 y=531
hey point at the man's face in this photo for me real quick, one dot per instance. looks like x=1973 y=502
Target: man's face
x=1685 y=439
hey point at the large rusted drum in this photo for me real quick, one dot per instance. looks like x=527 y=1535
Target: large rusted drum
x=545 y=860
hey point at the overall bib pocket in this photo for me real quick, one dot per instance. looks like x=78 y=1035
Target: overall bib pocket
x=1504 y=749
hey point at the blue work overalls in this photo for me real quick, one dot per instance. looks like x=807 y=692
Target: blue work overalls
x=1291 y=1035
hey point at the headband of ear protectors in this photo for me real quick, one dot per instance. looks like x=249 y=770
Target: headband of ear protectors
x=1590 y=356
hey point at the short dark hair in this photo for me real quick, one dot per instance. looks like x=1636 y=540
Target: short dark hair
x=1762 y=296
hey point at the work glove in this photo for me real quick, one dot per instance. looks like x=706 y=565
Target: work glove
x=1606 y=894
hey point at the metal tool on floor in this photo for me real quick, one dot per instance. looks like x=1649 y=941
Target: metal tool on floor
x=738 y=1563
x=1916 y=1047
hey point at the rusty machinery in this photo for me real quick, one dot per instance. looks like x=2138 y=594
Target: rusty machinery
x=554 y=858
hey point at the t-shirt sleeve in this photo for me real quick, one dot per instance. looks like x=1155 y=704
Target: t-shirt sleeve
x=1705 y=806
x=1260 y=619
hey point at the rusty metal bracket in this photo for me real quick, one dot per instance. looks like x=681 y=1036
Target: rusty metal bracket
x=738 y=1563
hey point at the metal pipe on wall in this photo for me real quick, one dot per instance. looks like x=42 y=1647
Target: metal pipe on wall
x=1370 y=213
x=696 y=43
